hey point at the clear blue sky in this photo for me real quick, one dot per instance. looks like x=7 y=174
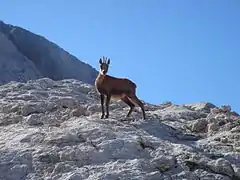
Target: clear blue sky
x=184 y=51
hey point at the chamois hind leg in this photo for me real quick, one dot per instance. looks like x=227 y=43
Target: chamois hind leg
x=129 y=103
x=135 y=99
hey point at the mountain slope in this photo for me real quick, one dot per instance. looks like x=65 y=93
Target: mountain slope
x=40 y=55
x=13 y=65
x=52 y=130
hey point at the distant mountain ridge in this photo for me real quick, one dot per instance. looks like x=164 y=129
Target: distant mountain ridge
x=25 y=55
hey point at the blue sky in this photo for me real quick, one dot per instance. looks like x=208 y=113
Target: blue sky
x=181 y=51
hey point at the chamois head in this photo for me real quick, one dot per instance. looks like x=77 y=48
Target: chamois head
x=104 y=63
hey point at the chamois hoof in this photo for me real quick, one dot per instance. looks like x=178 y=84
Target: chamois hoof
x=102 y=116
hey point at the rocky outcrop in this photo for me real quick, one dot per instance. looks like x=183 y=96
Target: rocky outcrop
x=52 y=130
x=25 y=55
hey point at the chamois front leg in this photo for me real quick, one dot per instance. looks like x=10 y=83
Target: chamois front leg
x=107 y=105
x=102 y=105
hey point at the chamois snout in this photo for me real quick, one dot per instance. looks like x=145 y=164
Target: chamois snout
x=104 y=71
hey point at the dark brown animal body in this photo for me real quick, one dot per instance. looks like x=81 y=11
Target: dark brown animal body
x=116 y=88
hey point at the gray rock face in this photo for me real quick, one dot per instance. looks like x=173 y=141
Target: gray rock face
x=14 y=66
x=52 y=130
x=24 y=56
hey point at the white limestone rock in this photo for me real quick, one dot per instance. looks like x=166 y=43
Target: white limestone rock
x=52 y=130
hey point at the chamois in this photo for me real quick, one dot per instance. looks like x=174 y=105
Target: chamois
x=115 y=88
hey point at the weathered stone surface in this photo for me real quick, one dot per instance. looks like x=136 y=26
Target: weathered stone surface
x=199 y=125
x=52 y=130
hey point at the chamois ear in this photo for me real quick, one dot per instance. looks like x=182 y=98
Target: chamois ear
x=100 y=61
x=108 y=61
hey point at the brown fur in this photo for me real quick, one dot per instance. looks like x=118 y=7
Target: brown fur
x=117 y=88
